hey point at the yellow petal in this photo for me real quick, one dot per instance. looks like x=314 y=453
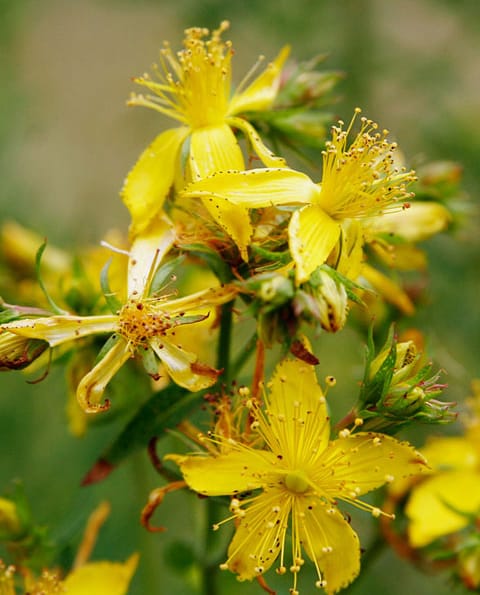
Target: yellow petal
x=100 y=578
x=430 y=505
x=207 y=298
x=329 y=540
x=312 y=236
x=260 y=535
x=146 y=253
x=266 y=156
x=261 y=93
x=58 y=329
x=419 y=222
x=92 y=386
x=295 y=394
x=234 y=220
x=365 y=461
x=451 y=453
x=392 y=292
x=348 y=258
x=182 y=366
x=228 y=474
x=212 y=149
x=257 y=188
x=150 y=179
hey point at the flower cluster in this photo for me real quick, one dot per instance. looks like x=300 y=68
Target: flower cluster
x=228 y=238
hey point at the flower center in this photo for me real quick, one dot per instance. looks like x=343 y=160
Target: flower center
x=139 y=322
x=297 y=481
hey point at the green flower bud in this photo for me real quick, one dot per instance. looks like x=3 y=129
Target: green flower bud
x=398 y=389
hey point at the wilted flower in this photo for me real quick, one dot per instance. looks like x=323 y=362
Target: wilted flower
x=145 y=325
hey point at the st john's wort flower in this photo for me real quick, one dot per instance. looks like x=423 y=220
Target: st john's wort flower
x=360 y=180
x=144 y=325
x=297 y=475
x=194 y=88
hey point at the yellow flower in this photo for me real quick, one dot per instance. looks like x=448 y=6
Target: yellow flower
x=445 y=502
x=194 y=88
x=301 y=475
x=144 y=323
x=93 y=578
x=359 y=180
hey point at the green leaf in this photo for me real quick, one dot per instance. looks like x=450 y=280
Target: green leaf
x=212 y=259
x=374 y=389
x=164 y=273
x=38 y=259
x=165 y=409
x=112 y=302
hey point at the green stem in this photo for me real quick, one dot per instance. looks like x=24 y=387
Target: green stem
x=210 y=570
x=224 y=341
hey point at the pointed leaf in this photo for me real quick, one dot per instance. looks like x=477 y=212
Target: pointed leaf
x=164 y=410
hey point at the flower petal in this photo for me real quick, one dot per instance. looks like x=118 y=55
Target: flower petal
x=234 y=220
x=147 y=253
x=312 y=236
x=182 y=366
x=227 y=474
x=329 y=541
x=260 y=535
x=257 y=188
x=92 y=386
x=359 y=463
x=415 y=224
x=212 y=149
x=261 y=92
x=58 y=329
x=150 y=179
x=432 y=505
x=266 y=156
x=391 y=291
x=99 y=578
x=451 y=453
x=296 y=408
x=207 y=298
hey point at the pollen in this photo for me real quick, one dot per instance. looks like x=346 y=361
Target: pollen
x=139 y=322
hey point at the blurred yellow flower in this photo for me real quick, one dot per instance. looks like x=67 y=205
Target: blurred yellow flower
x=449 y=499
x=301 y=475
x=194 y=88
x=93 y=578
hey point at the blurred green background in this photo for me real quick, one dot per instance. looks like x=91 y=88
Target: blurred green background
x=67 y=140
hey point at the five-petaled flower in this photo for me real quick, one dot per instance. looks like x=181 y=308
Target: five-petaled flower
x=194 y=88
x=145 y=323
x=297 y=475
x=360 y=180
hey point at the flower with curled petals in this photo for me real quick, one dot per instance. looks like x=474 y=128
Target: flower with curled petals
x=297 y=475
x=144 y=325
x=193 y=87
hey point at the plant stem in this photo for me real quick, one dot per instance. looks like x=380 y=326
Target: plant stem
x=224 y=341
x=209 y=569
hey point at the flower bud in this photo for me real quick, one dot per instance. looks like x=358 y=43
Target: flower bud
x=18 y=352
x=325 y=300
x=397 y=389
